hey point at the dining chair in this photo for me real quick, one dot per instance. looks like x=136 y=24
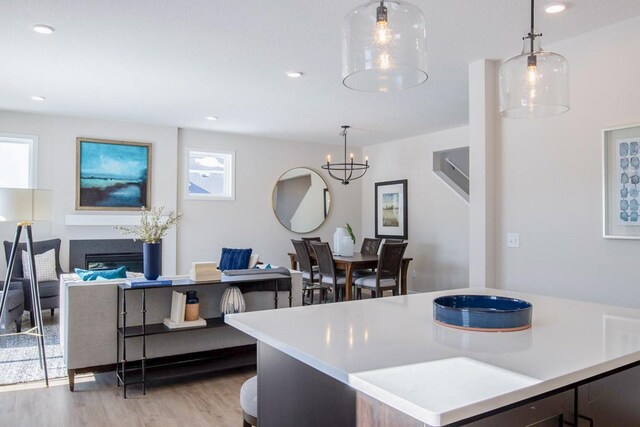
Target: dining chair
x=307 y=241
x=327 y=269
x=387 y=275
x=393 y=241
x=370 y=246
x=310 y=275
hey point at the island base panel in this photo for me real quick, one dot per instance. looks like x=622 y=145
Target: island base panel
x=292 y=393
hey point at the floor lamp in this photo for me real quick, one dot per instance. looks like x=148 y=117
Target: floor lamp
x=25 y=206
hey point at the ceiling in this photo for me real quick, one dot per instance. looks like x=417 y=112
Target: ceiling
x=169 y=62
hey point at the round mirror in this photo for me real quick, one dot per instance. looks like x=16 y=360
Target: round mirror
x=301 y=200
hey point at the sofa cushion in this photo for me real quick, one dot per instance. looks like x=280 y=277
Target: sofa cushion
x=45 y=265
x=90 y=275
x=234 y=259
x=254 y=259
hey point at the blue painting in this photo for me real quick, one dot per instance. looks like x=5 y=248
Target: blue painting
x=112 y=175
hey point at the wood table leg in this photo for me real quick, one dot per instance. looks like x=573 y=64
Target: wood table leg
x=403 y=277
x=348 y=283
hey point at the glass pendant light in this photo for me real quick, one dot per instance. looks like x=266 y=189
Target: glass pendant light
x=384 y=47
x=534 y=83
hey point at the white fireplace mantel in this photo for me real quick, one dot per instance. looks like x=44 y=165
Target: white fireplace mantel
x=101 y=220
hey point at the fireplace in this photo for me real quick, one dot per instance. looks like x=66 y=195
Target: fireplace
x=104 y=254
x=132 y=261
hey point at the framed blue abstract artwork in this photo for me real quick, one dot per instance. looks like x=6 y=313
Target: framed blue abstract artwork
x=621 y=182
x=112 y=175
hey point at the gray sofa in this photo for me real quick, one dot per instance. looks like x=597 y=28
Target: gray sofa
x=88 y=316
x=49 y=290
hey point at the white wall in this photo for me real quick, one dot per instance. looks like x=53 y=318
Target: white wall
x=438 y=217
x=549 y=183
x=249 y=221
x=57 y=171
x=207 y=225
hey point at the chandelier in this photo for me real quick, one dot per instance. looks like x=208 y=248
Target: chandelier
x=534 y=83
x=344 y=172
x=384 y=47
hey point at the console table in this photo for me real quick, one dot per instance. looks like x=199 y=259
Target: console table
x=128 y=375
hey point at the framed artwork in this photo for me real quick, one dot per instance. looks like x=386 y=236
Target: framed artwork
x=112 y=175
x=391 y=209
x=621 y=182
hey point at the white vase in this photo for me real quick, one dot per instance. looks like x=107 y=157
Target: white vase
x=337 y=239
x=346 y=246
x=232 y=301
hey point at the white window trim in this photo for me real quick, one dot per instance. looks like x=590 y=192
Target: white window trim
x=32 y=141
x=229 y=174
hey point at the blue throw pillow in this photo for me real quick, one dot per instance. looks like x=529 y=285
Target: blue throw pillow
x=89 y=275
x=234 y=259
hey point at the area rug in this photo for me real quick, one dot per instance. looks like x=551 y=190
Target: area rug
x=19 y=361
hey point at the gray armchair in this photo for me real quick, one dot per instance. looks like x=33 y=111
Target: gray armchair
x=49 y=290
x=13 y=308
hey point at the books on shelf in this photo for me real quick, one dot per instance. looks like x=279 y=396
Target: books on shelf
x=178 y=302
x=178 y=306
x=169 y=323
x=142 y=282
x=204 y=272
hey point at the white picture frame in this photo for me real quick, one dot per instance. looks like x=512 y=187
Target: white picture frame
x=620 y=211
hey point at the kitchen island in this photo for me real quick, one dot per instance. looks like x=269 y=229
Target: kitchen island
x=386 y=362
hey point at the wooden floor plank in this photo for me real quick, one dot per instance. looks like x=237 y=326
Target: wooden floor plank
x=200 y=402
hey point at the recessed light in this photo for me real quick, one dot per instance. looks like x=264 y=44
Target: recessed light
x=43 y=29
x=295 y=74
x=38 y=98
x=212 y=118
x=555 y=8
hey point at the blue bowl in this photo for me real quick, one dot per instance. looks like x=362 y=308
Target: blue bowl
x=483 y=313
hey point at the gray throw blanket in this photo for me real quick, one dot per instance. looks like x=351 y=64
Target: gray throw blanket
x=251 y=271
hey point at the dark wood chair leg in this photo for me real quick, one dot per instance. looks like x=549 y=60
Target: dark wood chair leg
x=53 y=311
x=19 y=324
x=72 y=377
x=32 y=319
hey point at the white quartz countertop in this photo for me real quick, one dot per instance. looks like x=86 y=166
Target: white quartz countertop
x=391 y=349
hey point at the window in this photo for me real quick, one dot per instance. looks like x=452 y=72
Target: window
x=18 y=160
x=210 y=174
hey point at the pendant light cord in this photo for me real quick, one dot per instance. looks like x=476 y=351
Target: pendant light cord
x=344 y=132
x=532 y=35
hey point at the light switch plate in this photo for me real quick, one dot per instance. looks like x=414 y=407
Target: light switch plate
x=513 y=240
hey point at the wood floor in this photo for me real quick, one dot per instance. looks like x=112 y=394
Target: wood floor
x=210 y=401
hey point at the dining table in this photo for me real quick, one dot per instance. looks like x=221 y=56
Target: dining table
x=358 y=261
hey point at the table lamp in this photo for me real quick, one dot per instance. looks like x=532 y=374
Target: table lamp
x=25 y=205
